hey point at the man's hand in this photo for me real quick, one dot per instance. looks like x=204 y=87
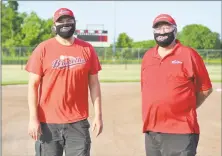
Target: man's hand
x=98 y=125
x=201 y=96
x=34 y=129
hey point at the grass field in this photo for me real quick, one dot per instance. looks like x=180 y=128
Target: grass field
x=14 y=74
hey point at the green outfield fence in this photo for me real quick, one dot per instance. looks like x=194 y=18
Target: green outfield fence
x=20 y=55
x=122 y=66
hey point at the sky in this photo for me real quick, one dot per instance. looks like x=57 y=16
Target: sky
x=132 y=17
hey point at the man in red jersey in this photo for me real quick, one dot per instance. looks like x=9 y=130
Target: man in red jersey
x=62 y=68
x=174 y=83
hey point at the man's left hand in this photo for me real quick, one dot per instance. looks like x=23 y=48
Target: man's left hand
x=98 y=125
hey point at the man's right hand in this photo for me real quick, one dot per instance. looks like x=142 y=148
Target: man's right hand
x=34 y=128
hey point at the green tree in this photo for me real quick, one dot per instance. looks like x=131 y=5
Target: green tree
x=7 y=16
x=124 y=41
x=11 y=24
x=199 y=37
x=32 y=29
x=11 y=27
x=46 y=32
x=17 y=19
x=144 y=44
x=13 y=5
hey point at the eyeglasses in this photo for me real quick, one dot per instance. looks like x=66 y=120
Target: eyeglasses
x=166 y=29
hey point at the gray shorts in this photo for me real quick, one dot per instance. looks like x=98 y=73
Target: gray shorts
x=72 y=138
x=162 y=144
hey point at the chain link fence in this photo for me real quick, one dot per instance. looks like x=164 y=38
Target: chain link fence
x=20 y=55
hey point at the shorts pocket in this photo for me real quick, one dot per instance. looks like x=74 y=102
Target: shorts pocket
x=84 y=124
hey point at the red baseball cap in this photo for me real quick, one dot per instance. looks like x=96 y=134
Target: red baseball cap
x=62 y=12
x=164 y=18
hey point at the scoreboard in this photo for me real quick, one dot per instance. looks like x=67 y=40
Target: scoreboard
x=92 y=38
x=100 y=37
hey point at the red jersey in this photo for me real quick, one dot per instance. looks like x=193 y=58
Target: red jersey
x=63 y=96
x=169 y=86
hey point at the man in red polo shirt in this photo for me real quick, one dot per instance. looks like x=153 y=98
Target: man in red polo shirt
x=61 y=69
x=174 y=83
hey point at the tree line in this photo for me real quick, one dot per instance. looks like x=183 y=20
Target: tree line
x=194 y=35
x=22 y=29
x=28 y=30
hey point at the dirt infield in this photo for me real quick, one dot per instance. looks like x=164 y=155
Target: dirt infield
x=122 y=135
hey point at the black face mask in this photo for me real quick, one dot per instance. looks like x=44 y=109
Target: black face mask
x=65 y=34
x=165 y=42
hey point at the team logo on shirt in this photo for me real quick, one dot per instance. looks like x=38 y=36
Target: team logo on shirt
x=176 y=62
x=67 y=62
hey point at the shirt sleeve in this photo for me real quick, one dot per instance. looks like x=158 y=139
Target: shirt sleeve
x=141 y=73
x=35 y=64
x=95 y=66
x=201 y=75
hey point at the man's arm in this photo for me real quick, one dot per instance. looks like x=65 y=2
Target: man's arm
x=95 y=93
x=35 y=69
x=202 y=79
x=201 y=96
x=34 y=129
x=33 y=85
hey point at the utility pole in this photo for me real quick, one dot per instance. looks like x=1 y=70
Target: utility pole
x=114 y=38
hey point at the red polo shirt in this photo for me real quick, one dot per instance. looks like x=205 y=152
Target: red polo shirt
x=169 y=86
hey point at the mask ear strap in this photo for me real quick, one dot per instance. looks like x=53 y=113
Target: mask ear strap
x=175 y=32
x=54 y=29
